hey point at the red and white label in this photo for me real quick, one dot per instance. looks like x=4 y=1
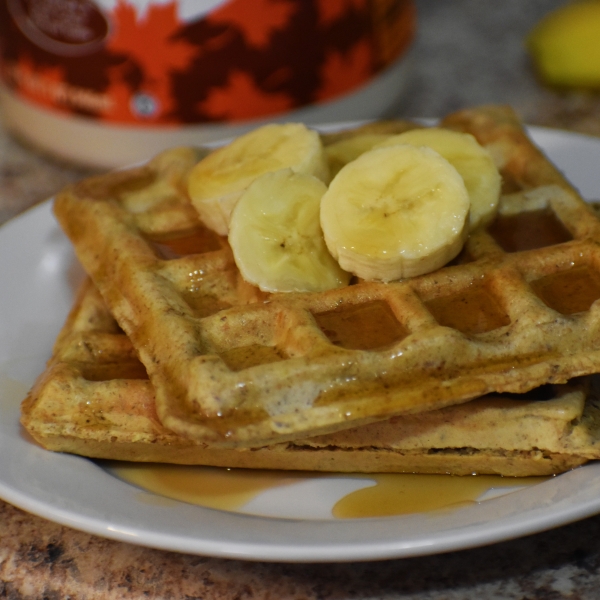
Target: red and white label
x=196 y=61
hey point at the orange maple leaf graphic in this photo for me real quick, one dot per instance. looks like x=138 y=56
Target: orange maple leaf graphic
x=332 y=10
x=242 y=99
x=149 y=43
x=257 y=19
x=343 y=73
x=148 y=40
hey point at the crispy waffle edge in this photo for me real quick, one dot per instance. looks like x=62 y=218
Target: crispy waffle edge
x=307 y=384
x=94 y=400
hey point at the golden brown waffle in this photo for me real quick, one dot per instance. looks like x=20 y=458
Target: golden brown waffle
x=506 y=316
x=95 y=400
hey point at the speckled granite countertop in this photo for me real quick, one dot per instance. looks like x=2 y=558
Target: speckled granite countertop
x=468 y=52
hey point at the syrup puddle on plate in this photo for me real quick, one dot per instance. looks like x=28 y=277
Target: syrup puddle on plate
x=379 y=495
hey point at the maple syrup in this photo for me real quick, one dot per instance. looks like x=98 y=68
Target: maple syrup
x=401 y=494
x=391 y=494
x=198 y=241
x=113 y=370
x=472 y=310
x=211 y=487
x=569 y=292
x=528 y=230
x=203 y=305
x=245 y=357
x=368 y=326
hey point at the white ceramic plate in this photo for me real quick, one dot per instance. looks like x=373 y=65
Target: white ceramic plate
x=38 y=275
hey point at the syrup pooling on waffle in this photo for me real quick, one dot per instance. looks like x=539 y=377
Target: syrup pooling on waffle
x=317 y=371
x=95 y=400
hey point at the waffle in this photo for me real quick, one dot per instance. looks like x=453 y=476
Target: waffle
x=95 y=400
x=231 y=366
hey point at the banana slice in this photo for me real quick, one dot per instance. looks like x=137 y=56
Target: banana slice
x=395 y=212
x=276 y=238
x=472 y=161
x=342 y=152
x=217 y=182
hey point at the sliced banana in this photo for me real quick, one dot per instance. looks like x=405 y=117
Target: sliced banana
x=342 y=152
x=276 y=238
x=395 y=212
x=471 y=160
x=217 y=182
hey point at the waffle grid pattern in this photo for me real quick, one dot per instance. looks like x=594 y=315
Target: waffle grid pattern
x=233 y=366
x=94 y=399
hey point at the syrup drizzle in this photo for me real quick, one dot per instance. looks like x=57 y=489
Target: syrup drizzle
x=391 y=494
x=211 y=487
x=368 y=326
x=529 y=230
x=473 y=310
x=570 y=291
x=402 y=494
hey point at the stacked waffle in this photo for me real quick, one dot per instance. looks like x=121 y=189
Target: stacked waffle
x=171 y=355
